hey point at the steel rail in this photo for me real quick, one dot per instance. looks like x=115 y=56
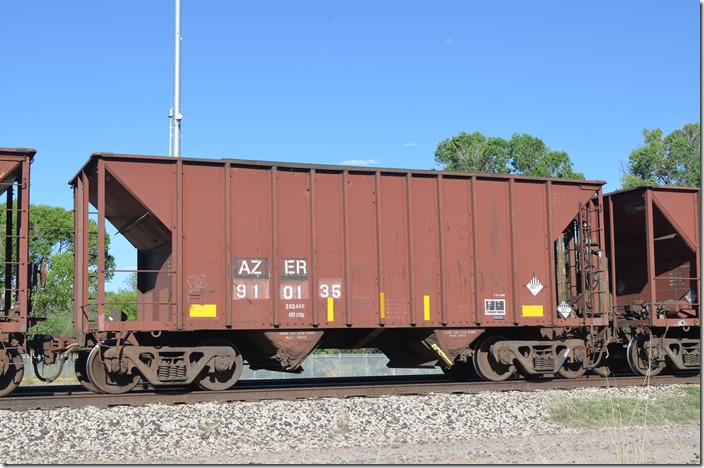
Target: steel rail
x=49 y=397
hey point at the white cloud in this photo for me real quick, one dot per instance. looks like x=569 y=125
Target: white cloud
x=359 y=162
x=449 y=41
x=408 y=145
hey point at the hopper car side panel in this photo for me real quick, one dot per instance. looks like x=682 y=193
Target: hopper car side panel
x=362 y=300
x=330 y=252
x=457 y=231
x=205 y=286
x=429 y=288
x=251 y=227
x=242 y=245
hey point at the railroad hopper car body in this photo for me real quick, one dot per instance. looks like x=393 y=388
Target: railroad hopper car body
x=15 y=268
x=266 y=261
x=654 y=247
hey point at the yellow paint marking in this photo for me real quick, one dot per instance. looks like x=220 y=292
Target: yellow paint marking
x=204 y=310
x=331 y=309
x=532 y=311
x=382 y=306
x=426 y=308
x=442 y=354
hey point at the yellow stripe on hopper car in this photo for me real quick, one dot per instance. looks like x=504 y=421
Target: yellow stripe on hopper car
x=204 y=310
x=331 y=309
x=532 y=311
x=426 y=308
x=382 y=305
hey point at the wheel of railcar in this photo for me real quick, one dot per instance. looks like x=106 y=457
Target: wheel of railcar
x=224 y=376
x=641 y=358
x=108 y=382
x=12 y=377
x=81 y=370
x=485 y=364
x=571 y=370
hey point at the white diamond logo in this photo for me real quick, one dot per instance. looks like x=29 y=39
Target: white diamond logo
x=564 y=309
x=534 y=286
x=691 y=296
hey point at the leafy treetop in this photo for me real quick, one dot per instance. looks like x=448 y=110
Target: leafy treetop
x=672 y=160
x=523 y=154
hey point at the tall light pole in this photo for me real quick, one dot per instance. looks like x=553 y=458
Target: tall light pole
x=175 y=112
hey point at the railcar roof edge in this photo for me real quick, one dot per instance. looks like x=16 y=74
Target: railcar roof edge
x=653 y=187
x=326 y=167
x=18 y=151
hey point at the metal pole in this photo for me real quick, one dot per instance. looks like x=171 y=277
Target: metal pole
x=175 y=112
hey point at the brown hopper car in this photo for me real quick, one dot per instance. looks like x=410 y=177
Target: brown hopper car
x=267 y=261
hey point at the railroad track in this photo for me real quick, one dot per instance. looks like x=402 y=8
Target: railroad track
x=47 y=397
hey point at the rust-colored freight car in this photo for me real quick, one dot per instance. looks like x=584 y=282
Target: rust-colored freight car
x=654 y=247
x=266 y=261
x=15 y=274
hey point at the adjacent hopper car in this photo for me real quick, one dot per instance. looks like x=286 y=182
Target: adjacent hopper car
x=263 y=262
x=653 y=245
x=15 y=270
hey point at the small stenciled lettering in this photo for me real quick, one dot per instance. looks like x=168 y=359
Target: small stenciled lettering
x=330 y=290
x=294 y=291
x=250 y=289
x=296 y=310
x=241 y=291
x=256 y=268
x=294 y=268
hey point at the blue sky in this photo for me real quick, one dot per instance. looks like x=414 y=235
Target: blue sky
x=376 y=82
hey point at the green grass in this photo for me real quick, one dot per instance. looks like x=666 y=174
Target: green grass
x=682 y=407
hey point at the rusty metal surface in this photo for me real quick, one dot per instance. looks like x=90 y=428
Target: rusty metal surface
x=249 y=390
x=653 y=246
x=14 y=190
x=256 y=245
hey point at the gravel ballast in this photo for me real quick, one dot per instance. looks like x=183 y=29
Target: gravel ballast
x=492 y=427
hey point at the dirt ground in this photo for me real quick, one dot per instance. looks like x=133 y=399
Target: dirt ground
x=664 y=445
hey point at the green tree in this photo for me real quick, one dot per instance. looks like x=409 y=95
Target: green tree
x=672 y=160
x=473 y=153
x=125 y=298
x=53 y=302
x=523 y=155
x=51 y=237
x=530 y=156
